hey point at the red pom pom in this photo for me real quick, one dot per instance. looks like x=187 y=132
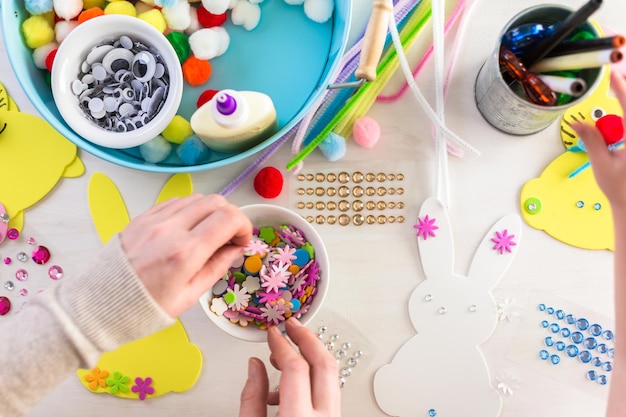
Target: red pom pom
x=50 y=59
x=208 y=19
x=611 y=127
x=205 y=97
x=268 y=183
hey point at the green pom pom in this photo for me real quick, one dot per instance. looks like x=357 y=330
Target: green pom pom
x=180 y=43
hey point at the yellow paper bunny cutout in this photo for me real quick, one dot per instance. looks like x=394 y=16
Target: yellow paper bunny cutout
x=165 y=361
x=565 y=201
x=33 y=158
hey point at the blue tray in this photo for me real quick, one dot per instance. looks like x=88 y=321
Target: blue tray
x=287 y=56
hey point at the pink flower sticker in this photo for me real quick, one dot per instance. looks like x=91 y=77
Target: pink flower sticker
x=503 y=242
x=426 y=227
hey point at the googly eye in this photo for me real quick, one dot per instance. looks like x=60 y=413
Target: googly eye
x=117 y=59
x=597 y=113
x=144 y=66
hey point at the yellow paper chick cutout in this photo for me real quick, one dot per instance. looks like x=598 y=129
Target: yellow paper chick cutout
x=33 y=158
x=571 y=210
x=599 y=103
x=167 y=357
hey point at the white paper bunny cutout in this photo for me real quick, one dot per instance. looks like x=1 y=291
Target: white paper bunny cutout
x=441 y=371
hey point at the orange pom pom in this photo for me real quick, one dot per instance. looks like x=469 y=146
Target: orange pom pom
x=89 y=14
x=196 y=71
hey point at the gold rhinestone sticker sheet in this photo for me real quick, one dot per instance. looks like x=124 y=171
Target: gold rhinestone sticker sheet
x=351 y=198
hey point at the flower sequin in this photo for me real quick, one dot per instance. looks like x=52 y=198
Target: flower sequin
x=426 y=227
x=97 y=378
x=118 y=383
x=142 y=387
x=503 y=242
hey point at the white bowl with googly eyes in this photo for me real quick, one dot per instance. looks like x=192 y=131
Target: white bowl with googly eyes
x=244 y=280
x=117 y=81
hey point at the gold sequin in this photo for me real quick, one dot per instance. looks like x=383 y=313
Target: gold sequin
x=309 y=205
x=300 y=205
x=319 y=191
x=391 y=205
x=344 y=220
x=320 y=219
x=343 y=177
x=391 y=177
x=357 y=205
x=370 y=219
x=370 y=191
x=358 y=219
x=381 y=205
x=301 y=177
x=331 y=219
x=309 y=219
x=370 y=205
x=310 y=191
x=400 y=177
x=309 y=177
x=357 y=177
x=381 y=191
x=358 y=191
x=343 y=191
x=400 y=219
x=343 y=205
x=382 y=219
x=400 y=191
x=300 y=191
x=331 y=177
x=391 y=191
x=391 y=219
x=381 y=177
x=320 y=205
x=331 y=205
x=370 y=177
x=331 y=191
x=400 y=205
x=319 y=177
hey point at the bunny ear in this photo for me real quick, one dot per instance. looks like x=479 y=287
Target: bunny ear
x=178 y=185
x=496 y=251
x=434 y=239
x=107 y=207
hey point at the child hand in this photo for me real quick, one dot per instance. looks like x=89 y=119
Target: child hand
x=609 y=167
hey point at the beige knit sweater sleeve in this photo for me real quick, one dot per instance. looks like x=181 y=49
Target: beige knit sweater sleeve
x=69 y=326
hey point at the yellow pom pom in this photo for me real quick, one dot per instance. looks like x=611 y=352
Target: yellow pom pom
x=178 y=130
x=37 y=31
x=50 y=18
x=120 y=7
x=155 y=18
x=88 y=4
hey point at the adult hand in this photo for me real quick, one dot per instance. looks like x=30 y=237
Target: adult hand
x=309 y=383
x=181 y=247
x=609 y=167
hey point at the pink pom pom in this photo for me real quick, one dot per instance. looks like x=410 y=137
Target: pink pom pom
x=366 y=132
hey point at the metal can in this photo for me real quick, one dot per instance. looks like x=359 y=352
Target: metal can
x=505 y=109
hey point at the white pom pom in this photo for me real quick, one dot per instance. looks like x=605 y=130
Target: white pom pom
x=246 y=14
x=224 y=40
x=63 y=28
x=294 y=2
x=68 y=9
x=194 y=23
x=40 y=54
x=216 y=6
x=177 y=16
x=319 y=10
x=209 y=43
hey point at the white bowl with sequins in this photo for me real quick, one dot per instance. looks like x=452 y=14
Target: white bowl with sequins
x=138 y=103
x=262 y=215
